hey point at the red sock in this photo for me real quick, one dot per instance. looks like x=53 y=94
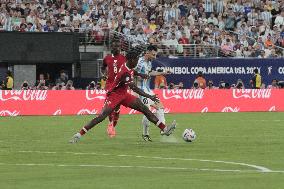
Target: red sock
x=161 y=125
x=83 y=131
x=110 y=118
x=115 y=118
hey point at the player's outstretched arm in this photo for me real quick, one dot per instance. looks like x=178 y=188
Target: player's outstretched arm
x=143 y=76
x=155 y=73
x=142 y=93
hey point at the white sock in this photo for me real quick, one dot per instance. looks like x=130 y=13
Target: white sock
x=161 y=115
x=145 y=125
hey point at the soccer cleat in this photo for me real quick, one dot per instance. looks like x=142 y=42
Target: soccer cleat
x=169 y=129
x=147 y=138
x=75 y=138
x=111 y=130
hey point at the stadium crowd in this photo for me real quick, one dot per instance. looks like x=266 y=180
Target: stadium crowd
x=44 y=82
x=242 y=28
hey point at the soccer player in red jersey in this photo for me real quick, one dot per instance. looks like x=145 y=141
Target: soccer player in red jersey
x=111 y=65
x=117 y=95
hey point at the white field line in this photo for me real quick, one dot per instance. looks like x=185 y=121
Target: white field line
x=257 y=167
x=264 y=120
x=141 y=167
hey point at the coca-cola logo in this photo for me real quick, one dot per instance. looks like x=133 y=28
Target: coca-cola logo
x=166 y=110
x=183 y=94
x=272 y=109
x=252 y=93
x=87 y=111
x=9 y=113
x=204 y=110
x=230 y=109
x=25 y=95
x=95 y=94
x=57 y=112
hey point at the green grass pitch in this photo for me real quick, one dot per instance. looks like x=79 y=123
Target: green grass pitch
x=232 y=151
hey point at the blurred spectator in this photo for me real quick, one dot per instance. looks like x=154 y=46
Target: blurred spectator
x=215 y=21
x=63 y=77
x=210 y=85
x=41 y=82
x=160 y=81
x=240 y=84
x=102 y=82
x=58 y=86
x=272 y=54
x=224 y=85
x=240 y=52
x=184 y=41
x=25 y=86
x=262 y=54
x=200 y=80
x=9 y=81
x=91 y=86
x=1 y=85
x=279 y=20
x=227 y=47
x=195 y=85
x=179 y=86
x=273 y=85
x=256 y=81
x=69 y=86
x=172 y=44
x=42 y=86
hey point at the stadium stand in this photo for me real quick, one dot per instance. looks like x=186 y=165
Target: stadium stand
x=190 y=28
x=187 y=27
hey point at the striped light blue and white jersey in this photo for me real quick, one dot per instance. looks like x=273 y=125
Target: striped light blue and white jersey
x=209 y=6
x=143 y=67
x=219 y=4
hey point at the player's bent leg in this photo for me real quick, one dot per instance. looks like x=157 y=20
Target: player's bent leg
x=114 y=116
x=145 y=127
x=145 y=122
x=116 y=113
x=111 y=126
x=105 y=112
x=136 y=104
x=160 y=111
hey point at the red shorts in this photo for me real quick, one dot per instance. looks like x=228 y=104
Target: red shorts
x=115 y=99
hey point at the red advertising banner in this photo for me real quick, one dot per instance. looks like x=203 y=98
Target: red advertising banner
x=79 y=102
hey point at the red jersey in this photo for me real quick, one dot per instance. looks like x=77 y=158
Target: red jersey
x=113 y=64
x=122 y=80
x=183 y=40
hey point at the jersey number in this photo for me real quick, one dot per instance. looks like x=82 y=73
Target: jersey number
x=115 y=69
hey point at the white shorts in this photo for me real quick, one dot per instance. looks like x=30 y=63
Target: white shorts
x=147 y=101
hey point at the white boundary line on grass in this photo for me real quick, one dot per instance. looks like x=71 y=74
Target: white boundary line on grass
x=124 y=166
x=258 y=168
x=142 y=167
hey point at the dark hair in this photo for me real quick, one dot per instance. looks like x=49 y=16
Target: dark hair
x=92 y=85
x=132 y=54
x=9 y=73
x=152 y=48
x=255 y=70
x=200 y=74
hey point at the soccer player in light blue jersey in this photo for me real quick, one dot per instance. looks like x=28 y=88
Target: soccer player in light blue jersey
x=144 y=66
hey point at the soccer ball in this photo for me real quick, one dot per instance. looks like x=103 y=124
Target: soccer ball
x=189 y=135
